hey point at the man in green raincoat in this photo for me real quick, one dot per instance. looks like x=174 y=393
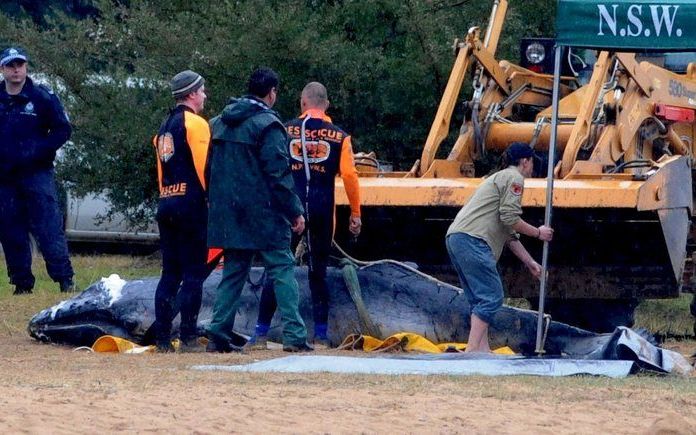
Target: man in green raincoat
x=253 y=208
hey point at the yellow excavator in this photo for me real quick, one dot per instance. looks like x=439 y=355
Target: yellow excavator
x=622 y=197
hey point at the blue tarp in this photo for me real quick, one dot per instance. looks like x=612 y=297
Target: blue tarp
x=441 y=364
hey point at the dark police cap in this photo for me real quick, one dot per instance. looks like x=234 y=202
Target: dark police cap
x=519 y=150
x=13 y=53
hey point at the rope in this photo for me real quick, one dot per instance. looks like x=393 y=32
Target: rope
x=352 y=342
x=398 y=263
x=350 y=276
x=308 y=178
x=258 y=283
x=367 y=326
x=398 y=346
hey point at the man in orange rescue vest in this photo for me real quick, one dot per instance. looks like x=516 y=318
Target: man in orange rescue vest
x=326 y=150
x=182 y=216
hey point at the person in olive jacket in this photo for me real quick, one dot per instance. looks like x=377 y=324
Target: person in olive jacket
x=253 y=208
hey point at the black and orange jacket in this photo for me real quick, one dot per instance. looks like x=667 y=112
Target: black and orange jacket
x=182 y=151
x=329 y=153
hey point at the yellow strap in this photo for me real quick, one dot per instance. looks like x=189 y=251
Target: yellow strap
x=408 y=342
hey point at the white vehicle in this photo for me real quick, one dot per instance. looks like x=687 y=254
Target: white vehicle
x=85 y=223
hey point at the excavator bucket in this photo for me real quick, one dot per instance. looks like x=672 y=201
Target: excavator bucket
x=613 y=238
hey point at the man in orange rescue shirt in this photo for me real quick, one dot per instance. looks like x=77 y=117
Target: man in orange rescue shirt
x=182 y=216
x=327 y=151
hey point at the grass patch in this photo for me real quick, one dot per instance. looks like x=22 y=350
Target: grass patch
x=667 y=317
x=88 y=269
x=15 y=311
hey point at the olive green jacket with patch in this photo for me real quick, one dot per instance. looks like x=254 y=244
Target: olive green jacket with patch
x=493 y=209
x=251 y=191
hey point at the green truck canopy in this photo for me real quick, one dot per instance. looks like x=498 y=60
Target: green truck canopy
x=622 y=25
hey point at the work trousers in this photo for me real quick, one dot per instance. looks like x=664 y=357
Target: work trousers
x=280 y=269
x=183 y=241
x=29 y=204
x=320 y=229
x=475 y=264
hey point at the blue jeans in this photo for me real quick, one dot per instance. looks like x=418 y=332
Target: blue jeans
x=476 y=266
x=29 y=204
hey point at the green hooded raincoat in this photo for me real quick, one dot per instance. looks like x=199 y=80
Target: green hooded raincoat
x=251 y=195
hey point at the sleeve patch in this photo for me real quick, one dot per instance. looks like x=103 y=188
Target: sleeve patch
x=516 y=189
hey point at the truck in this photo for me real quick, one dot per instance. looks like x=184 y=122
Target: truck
x=623 y=190
x=86 y=224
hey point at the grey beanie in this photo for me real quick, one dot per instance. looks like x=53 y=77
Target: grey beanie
x=185 y=82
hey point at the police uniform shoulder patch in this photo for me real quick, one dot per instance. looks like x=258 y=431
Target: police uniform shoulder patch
x=516 y=189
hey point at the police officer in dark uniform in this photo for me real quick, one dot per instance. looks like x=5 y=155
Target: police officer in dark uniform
x=33 y=126
x=182 y=216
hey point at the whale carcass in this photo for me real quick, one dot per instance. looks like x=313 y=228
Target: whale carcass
x=392 y=298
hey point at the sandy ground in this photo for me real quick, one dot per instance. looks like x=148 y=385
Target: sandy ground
x=51 y=389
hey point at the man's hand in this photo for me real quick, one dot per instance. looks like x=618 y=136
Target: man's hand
x=355 y=225
x=534 y=269
x=298 y=224
x=545 y=233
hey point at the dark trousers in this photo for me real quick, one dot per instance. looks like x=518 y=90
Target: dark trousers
x=184 y=253
x=30 y=204
x=320 y=228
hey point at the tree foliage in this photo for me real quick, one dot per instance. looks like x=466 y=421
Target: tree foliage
x=384 y=62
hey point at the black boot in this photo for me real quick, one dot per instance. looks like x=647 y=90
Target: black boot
x=219 y=346
x=21 y=290
x=67 y=286
x=301 y=347
x=191 y=345
x=164 y=346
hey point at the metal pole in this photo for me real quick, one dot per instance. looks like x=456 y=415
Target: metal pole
x=549 y=196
